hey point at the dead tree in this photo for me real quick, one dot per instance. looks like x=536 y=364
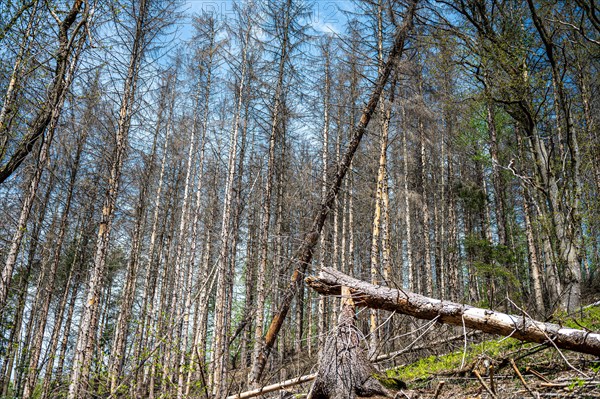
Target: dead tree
x=345 y=371
x=330 y=281
x=304 y=254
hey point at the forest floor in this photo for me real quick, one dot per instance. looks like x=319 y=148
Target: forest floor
x=506 y=368
x=487 y=366
x=543 y=375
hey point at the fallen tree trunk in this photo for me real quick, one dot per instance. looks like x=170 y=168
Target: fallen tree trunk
x=274 y=387
x=330 y=281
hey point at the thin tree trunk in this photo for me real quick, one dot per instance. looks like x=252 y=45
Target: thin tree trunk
x=412 y=279
x=11 y=259
x=427 y=267
x=11 y=89
x=220 y=334
x=150 y=279
x=50 y=275
x=567 y=221
x=117 y=355
x=58 y=321
x=326 y=51
x=381 y=187
x=181 y=388
x=253 y=377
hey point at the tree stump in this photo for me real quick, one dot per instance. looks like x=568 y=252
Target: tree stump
x=345 y=371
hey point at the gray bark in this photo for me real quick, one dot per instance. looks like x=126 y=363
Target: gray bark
x=329 y=282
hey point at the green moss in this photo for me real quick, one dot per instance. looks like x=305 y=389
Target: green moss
x=588 y=319
x=390 y=382
x=425 y=367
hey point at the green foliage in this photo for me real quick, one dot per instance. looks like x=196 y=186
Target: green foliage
x=471 y=195
x=390 y=382
x=425 y=367
x=490 y=260
x=586 y=319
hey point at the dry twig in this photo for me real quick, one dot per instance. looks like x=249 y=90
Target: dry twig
x=438 y=390
x=514 y=366
x=483 y=384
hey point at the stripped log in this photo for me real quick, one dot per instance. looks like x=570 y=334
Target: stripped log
x=330 y=281
x=274 y=387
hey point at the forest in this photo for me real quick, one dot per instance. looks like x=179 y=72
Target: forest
x=172 y=171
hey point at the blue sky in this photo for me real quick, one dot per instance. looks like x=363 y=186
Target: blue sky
x=327 y=15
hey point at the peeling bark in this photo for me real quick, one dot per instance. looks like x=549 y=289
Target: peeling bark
x=329 y=282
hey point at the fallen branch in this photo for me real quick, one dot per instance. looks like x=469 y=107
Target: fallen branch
x=516 y=369
x=483 y=384
x=538 y=375
x=567 y=384
x=428 y=345
x=438 y=390
x=522 y=328
x=274 y=387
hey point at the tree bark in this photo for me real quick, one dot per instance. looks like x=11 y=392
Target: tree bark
x=52 y=108
x=522 y=328
x=344 y=367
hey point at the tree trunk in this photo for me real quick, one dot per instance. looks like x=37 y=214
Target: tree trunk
x=151 y=277
x=345 y=371
x=522 y=328
x=413 y=280
x=321 y=325
x=195 y=223
x=253 y=377
x=50 y=274
x=220 y=333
